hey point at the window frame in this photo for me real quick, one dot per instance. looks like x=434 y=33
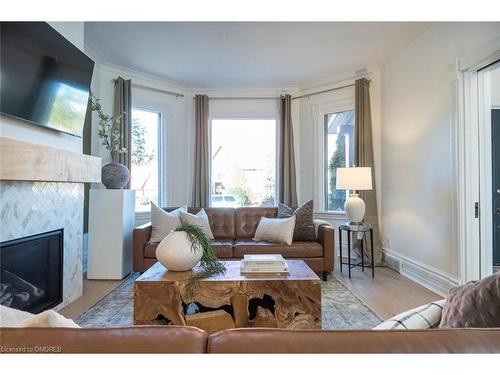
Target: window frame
x=160 y=157
x=276 y=147
x=321 y=170
x=326 y=162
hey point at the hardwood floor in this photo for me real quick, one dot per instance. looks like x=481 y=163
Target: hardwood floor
x=93 y=292
x=389 y=293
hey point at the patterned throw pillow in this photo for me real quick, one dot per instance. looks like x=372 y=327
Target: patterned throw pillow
x=473 y=305
x=304 y=226
x=422 y=317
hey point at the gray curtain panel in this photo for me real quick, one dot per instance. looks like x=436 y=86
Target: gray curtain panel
x=363 y=151
x=286 y=178
x=123 y=104
x=201 y=184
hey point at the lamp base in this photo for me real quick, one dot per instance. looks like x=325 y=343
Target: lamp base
x=355 y=209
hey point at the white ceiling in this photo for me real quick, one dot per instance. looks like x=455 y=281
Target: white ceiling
x=254 y=53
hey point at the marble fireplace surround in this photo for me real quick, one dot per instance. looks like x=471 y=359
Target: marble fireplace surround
x=36 y=197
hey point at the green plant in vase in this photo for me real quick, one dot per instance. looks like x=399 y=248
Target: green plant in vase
x=209 y=264
x=114 y=174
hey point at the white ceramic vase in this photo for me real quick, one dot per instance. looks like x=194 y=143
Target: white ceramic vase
x=355 y=209
x=175 y=252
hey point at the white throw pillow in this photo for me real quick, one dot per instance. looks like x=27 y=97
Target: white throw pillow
x=48 y=319
x=163 y=222
x=10 y=317
x=422 y=317
x=275 y=230
x=200 y=220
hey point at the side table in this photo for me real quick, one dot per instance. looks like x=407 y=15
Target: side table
x=362 y=228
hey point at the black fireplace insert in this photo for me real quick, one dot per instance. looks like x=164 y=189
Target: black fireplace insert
x=31 y=272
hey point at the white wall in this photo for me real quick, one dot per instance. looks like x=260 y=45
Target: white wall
x=24 y=131
x=417 y=118
x=177 y=124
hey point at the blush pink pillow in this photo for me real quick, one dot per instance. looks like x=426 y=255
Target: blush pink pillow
x=473 y=305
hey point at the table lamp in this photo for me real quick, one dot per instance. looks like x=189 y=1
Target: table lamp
x=354 y=178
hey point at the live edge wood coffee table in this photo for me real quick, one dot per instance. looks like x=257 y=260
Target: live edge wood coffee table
x=230 y=300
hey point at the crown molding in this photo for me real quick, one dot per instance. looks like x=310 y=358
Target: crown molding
x=338 y=80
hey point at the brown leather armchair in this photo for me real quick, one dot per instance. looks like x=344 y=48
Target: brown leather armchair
x=234 y=229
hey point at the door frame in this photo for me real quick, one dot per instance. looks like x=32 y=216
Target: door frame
x=486 y=165
x=472 y=154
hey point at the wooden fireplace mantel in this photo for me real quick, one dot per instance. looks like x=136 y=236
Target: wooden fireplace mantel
x=23 y=161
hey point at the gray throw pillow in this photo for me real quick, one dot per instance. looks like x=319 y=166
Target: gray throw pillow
x=304 y=226
x=473 y=305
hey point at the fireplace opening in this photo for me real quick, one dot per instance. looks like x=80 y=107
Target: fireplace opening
x=31 y=272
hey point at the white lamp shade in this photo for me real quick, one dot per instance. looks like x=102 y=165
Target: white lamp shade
x=354 y=178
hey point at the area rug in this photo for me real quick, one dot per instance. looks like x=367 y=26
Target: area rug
x=341 y=309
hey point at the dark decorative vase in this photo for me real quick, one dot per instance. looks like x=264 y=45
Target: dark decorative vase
x=115 y=176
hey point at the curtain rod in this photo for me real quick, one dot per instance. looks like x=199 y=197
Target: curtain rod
x=327 y=90
x=241 y=97
x=176 y=94
x=278 y=97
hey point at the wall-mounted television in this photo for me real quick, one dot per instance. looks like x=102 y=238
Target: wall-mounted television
x=44 y=78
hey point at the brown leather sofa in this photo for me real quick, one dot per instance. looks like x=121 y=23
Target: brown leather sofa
x=234 y=229
x=175 y=339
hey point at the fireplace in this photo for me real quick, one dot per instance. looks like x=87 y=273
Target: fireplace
x=31 y=272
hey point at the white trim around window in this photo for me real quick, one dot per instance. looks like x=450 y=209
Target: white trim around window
x=144 y=216
x=318 y=112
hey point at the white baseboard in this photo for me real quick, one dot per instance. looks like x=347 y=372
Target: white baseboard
x=435 y=280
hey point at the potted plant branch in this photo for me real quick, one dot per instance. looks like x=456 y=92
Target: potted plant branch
x=114 y=175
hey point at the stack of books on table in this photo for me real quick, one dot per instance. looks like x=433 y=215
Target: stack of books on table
x=263 y=263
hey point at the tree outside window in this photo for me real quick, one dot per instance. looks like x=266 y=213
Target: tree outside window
x=144 y=176
x=339 y=152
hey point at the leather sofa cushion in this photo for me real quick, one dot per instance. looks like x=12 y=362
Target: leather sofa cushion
x=266 y=340
x=164 y=339
x=247 y=218
x=306 y=249
x=223 y=248
x=221 y=222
